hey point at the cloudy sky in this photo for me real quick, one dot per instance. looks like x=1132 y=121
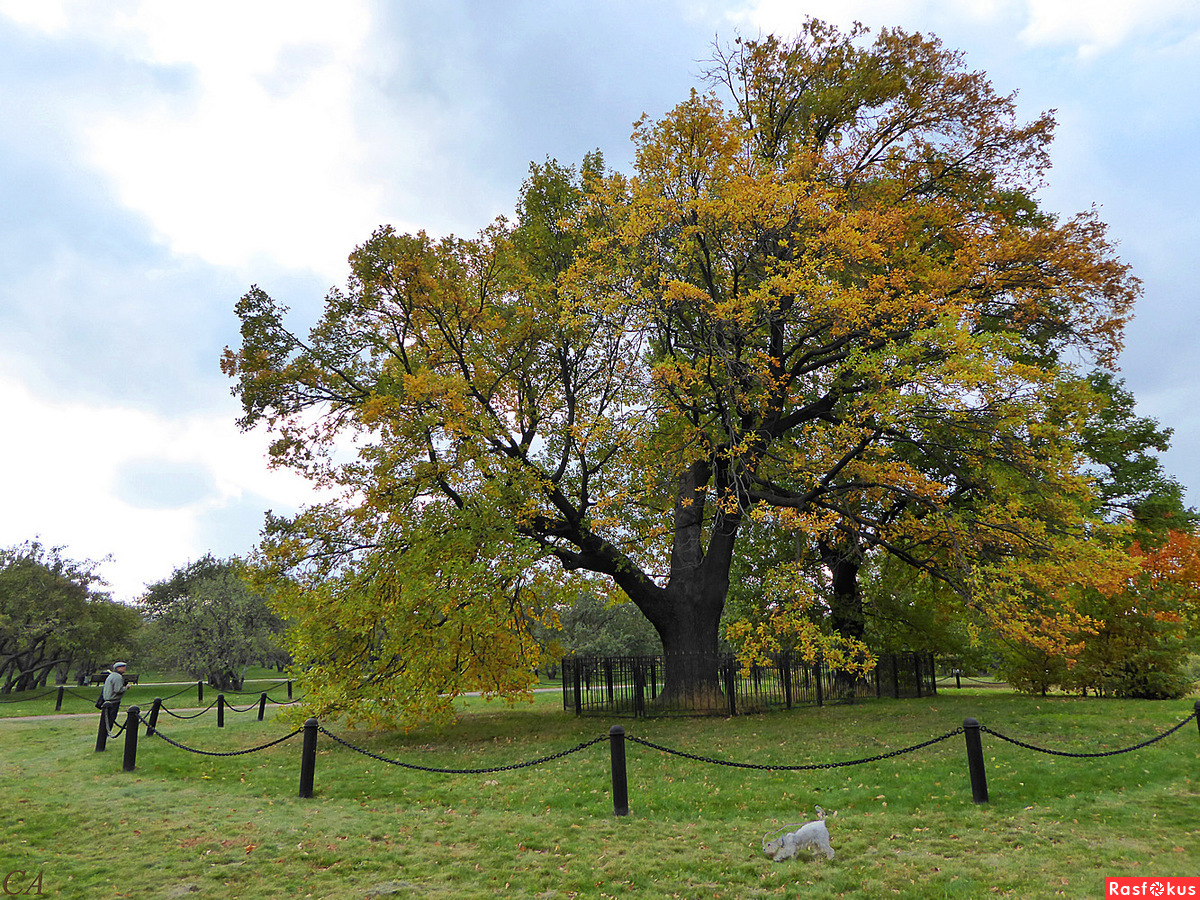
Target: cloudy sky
x=158 y=158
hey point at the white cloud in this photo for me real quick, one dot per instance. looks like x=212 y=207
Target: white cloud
x=250 y=147
x=49 y=16
x=1091 y=26
x=66 y=476
x=1096 y=26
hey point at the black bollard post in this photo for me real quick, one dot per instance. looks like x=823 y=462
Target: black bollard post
x=958 y=678
x=131 y=736
x=220 y=710
x=620 y=781
x=979 y=790
x=1197 y=708
x=154 y=708
x=199 y=691
x=289 y=689
x=262 y=706
x=102 y=734
x=308 y=759
x=58 y=702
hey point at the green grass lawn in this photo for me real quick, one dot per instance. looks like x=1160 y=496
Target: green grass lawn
x=184 y=825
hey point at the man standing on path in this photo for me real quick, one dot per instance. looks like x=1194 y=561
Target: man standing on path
x=113 y=690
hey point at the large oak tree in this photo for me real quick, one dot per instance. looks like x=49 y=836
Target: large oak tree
x=828 y=304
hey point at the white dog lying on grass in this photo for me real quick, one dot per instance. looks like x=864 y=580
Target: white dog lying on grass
x=812 y=836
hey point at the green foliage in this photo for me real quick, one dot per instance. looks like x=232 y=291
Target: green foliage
x=207 y=621
x=436 y=605
x=54 y=618
x=908 y=609
x=1133 y=636
x=1124 y=450
x=596 y=627
x=1136 y=656
x=1144 y=628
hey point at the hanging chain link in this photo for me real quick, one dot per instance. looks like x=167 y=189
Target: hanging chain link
x=273 y=686
x=800 y=768
x=181 y=716
x=182 y=690
x=23 y=699
x=229 y=706
x=1037 y=749
x=487 y=771
x=155 y=732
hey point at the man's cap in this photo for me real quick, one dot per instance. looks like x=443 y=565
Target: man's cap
x=118 y=665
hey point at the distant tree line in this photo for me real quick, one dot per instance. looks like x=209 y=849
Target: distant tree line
x=58 y=622
x=54 y=618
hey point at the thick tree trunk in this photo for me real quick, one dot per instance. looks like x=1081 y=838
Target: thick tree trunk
x=689 y=633
x=687 y=612
x=225 y=681
x=845 y=603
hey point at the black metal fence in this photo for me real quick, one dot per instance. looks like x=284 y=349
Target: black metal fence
x=634 y=685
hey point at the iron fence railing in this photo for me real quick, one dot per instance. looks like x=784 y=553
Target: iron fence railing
x=635 y=685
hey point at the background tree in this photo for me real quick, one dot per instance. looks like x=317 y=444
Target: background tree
x=831 y=309
x=1145 y=629
x=53 y=617
x=207 y=621
x=1123 y=450
x=595 y=626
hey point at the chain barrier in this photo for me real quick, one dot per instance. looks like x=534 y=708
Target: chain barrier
x=229 y=706
x=182 y=690
x=181 y=716
x=806 y=767
x=276 y=684
x=1037 y=749
x=155 y=732
x=67 y=692
x=284 y=702
x=488 y=771
x=25 y=699
x=192 y=686
x=74 y=693
x=617 y=736
x=976 y=681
